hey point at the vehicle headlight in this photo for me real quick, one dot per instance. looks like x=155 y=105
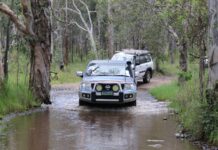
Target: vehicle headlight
x=115 y=88
x=99 y=88
x=130 y=86
x=85 y=86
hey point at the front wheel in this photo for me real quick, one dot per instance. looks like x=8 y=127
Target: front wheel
x=133 y=103
x=147 y=77
x=82 y=103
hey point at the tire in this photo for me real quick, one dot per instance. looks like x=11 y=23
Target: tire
x=82 y=103
x=147 y=77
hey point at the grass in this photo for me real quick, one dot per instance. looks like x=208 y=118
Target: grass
x=195 y=114
x=165 y=92
x=16 y=97
x=68 y=75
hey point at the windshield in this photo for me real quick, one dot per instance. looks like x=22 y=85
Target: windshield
x=122 y=57
x=107 y=70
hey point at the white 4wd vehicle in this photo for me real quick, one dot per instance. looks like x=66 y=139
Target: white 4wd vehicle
x=144 y=66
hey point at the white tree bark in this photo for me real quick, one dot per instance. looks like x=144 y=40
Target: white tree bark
x=86 y=25
x=213 y=45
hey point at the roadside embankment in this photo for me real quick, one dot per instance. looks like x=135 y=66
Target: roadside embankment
x=194 y=112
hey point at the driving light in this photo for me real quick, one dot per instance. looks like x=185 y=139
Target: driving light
x=99 y=88
x=115 y=88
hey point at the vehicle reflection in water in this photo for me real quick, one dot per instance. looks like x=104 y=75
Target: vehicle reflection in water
x=88 y=128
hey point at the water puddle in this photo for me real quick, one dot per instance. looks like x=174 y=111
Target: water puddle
x=66 y=126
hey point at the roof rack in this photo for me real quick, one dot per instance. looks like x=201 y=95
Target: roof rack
x=134 y=51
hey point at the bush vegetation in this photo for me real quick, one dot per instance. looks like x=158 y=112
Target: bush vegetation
x=195 y=114
x=16 y=97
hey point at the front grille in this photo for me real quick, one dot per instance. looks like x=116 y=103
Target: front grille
x=94 y=97
x=107 y=97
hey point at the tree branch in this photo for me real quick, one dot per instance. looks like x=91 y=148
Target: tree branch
x=174 y=34
x=79 y=26
x=28 y=16
x=72 y=22
x=7 y=11
x=56 y=17
x=88 y=12
x=74 y=11
x=80 y=15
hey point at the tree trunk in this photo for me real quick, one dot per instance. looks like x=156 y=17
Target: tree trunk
x=202 y=67
x=1 y=72
x=213 y=50
x=93 y=44
x=110 y=31
x=52 y=35
x=8 y=29
x=157 y=64
x=37 y=29
x=183 y=60
x=66 y=48
x=212 y=91
x=172 y=47
x=7 y=49
x=66 y=38
x=41 y=51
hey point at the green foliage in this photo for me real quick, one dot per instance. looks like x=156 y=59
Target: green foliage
x=16 y=97
x=210 y=123
x=196 y=113
x=165 y=92
x=169 y=69
x=188 y=104
x=185 y=75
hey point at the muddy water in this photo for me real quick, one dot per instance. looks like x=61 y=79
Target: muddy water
x=65 y=126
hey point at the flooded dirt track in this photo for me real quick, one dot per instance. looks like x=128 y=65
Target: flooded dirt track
x=66 y=126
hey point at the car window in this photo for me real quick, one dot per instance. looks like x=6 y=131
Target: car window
x=122 y=57
x=147 y=58
x=142 y=59
x=107 y=70
x=137 y=60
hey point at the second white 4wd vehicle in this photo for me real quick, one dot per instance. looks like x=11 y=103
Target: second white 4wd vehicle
x=144 y=66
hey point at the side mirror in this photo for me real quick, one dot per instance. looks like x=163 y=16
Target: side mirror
x=79 y=74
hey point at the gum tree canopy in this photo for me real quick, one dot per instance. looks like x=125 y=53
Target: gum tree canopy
x=36 y=28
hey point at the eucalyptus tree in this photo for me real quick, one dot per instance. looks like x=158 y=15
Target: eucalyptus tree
x=1 y=72
x=186 y=21
x=82 y=18
x=213 y=48
x=36 y=28
x=110 y=28
x=175 y=15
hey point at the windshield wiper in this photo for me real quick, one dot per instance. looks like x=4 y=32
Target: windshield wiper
x=122 y=75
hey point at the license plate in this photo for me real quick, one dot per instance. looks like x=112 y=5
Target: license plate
x=107 y=93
